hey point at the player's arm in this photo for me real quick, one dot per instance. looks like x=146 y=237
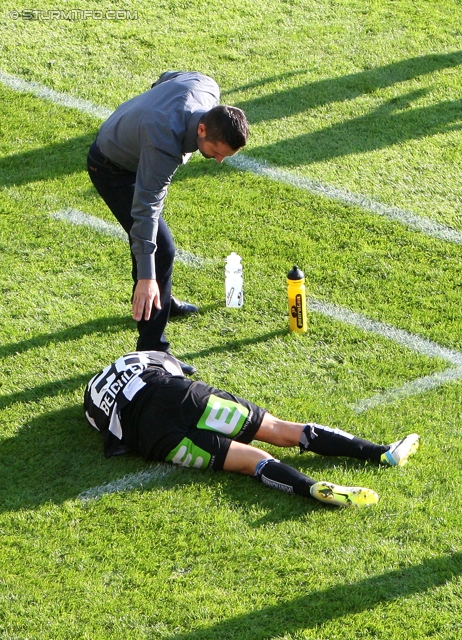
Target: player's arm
x=145 y=296
x=155 y=172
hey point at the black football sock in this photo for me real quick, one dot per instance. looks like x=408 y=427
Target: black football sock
x=334 y=442
x=278 y=475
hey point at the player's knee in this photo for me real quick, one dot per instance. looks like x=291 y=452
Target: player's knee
x=243 y=458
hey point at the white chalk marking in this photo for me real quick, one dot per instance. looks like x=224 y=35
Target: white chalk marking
x=408 y=219
x=408 y=340
x=62 y=99
x=242 y=162
x=127 y=483
x=415 y=387
x=80 y=218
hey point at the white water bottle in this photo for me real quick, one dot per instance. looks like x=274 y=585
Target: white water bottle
x=234 y=281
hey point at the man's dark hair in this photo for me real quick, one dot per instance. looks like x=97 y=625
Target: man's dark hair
x=226 y=124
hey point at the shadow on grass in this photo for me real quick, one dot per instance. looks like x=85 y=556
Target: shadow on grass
x=320 y=607
x=51 y=459
x=234 y=345
x=391 y=123
x=46 y=163
x=317 y=94
x=387 y=125
x=39 y=392
x=98 y=325
x=57 y=456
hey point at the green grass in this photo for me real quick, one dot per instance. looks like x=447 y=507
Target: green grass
x=363 y=96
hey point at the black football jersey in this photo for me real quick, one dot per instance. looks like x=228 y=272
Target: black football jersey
x=110 y=390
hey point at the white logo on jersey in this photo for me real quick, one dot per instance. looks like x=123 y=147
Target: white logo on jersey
x=114 y=378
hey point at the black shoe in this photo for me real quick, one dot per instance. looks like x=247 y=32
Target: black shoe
x=180 y=308
x=187 y=369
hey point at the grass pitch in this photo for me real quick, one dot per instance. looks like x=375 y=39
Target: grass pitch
x=362 y=97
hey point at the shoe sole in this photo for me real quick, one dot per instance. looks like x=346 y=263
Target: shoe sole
x=339 y=496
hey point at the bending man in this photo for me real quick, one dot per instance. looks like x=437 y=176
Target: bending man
x=142 y=403
x=131 y=164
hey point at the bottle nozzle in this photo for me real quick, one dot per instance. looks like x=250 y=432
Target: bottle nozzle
x=295 y=274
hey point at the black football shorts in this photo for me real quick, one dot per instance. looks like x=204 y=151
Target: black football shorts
x=188 y=423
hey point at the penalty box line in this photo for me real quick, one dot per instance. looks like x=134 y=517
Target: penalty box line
x=410 y=341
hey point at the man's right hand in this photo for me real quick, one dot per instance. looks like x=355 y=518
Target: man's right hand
x=146 y=296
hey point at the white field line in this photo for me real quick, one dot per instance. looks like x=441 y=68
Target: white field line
x=408 y=219
x=128 y=482
x=415 y=387
x=63 y=99
x=408 y=340
x=80 y=218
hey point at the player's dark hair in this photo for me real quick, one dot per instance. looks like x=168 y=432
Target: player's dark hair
x=226 y=124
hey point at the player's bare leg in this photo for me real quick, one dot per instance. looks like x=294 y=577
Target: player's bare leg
x=243 y=458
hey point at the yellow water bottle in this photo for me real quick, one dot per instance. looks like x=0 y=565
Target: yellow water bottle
x=296 y=294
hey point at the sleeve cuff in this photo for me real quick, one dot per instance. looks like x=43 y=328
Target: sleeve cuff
x=146 y=269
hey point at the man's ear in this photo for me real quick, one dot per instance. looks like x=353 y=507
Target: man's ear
x=202 y=130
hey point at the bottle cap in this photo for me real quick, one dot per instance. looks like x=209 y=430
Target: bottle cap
x=295 y=274
x=233 y=257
